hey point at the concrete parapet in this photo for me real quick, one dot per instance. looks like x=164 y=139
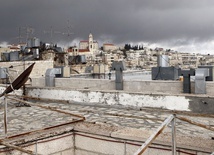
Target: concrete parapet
x=79 y=83
x=171 y=87
x=150 y=87
x=192 y=103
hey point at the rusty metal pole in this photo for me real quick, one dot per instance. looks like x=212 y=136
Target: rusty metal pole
x=173 y=123
x=5 y=116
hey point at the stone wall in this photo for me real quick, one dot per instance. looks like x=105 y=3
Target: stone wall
x=149 y=87
x=39 y=69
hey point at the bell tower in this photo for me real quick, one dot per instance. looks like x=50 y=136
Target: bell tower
x=90 y=42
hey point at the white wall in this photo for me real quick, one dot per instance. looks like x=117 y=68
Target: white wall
x=62 y=145
x=139 y=100
x=87 y=144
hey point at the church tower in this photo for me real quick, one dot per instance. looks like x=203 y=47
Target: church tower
x=90 y=42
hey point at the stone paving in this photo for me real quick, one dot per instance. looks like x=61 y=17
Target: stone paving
x=24 y=119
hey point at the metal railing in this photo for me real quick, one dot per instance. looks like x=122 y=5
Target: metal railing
x=19 y=148
x=171 y=119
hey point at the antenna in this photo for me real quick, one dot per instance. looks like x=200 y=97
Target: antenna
x=51 y=32
x=69 y=27
x=24 y=33
x=29 y=32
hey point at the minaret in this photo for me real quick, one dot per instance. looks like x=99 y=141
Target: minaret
x=90 y=42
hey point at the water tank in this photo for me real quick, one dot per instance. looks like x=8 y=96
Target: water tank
x=82 y=59
x=35 y=53
x=6 y=56
x=33 y=42
x=163 y=61
x=14 y=56
x=3 y=72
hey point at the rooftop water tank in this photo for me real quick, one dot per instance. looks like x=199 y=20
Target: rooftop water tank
x=14 y=56
x=33 y=42
x=163 y=61
x=35 y=53
x=82 y=59
x=6 y=56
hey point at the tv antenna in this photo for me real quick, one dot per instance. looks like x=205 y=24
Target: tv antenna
x=68 y=31
x=51 y=32
x=24 y=33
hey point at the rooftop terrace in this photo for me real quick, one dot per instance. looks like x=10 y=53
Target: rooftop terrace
x=33 y=124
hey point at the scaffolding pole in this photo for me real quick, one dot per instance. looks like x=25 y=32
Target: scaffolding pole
x=5 y=116
x=173 y=123
x=153 y=136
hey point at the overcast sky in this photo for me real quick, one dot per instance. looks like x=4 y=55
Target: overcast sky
x=182 y=25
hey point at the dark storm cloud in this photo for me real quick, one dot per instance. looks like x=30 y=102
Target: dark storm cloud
x=120 y=21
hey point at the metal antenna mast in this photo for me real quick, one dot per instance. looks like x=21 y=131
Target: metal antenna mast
x=51 y=32
x=69 y=27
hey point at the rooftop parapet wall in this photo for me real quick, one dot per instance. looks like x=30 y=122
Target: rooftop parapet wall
x=156 y=94
x=149 y=87
x=191 y=103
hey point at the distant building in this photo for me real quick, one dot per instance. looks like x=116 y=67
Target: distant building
x=73 y=51
x=109 y=47
x=89 y=46
x=14 y=48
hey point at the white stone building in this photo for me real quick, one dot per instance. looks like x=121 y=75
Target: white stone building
x=89 y=46
x=109 y=47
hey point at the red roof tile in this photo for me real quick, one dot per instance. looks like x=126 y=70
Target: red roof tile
x=84 y=50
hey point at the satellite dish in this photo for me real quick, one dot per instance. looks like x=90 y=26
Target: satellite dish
x=19 y=81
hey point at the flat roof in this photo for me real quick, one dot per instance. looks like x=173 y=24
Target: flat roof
x=22 y=119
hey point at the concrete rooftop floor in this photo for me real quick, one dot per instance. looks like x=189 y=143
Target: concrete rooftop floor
x=24 y=119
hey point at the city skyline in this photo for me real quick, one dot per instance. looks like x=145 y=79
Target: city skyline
x=179 y=25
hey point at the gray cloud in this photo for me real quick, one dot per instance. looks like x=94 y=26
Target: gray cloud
x=120 y=21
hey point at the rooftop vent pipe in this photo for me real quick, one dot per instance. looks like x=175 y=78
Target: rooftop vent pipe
x=50 y=76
